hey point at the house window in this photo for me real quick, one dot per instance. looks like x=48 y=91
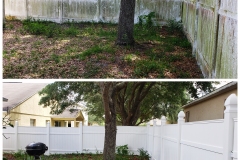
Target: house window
x=187 y=116
x=32 y=122
x=57 y=124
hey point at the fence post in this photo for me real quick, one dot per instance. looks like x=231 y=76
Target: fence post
x=61 y=12
x=181 y=116
x=163 y=122
x=80 y=137
x=16 y=136
x=229 y=114
x=48 y=138
x=148 y=127
x=194 y=51
x=153 y=138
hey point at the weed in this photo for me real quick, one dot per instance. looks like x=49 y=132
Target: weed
x=55 y=58
x=143 y=153
x=146 y=21
x=122 y=150
x=11 y=26
x=72 y=31
x=144 y=67
x=19 y=154
x=90 y=51
x=174 y=25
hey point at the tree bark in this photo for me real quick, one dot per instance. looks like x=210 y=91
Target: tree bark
x=126 y=23
x=109 y=94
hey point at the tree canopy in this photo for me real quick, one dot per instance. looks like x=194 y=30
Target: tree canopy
x=136 y=102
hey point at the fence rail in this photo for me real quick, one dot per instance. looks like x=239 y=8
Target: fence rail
x=210 y=140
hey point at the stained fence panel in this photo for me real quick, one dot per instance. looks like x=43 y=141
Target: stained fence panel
x=16 y=8
x=189 y=18
x=226 y=58
x=47 y=9
x=206 y=34
x=168 y=10
x=80 y=10
x=109 y=10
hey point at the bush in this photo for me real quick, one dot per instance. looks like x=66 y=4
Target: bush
x=143 y=154
x=122 y=150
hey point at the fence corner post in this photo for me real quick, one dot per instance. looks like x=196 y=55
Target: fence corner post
x=229 y=114
x=16 y=136
x=48 y=138
x=181 y=120
x=80 y=137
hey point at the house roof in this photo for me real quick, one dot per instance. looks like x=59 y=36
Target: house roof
x=69 y=113
x=228 y=87
x=17 y=93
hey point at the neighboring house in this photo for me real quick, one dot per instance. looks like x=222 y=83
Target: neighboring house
x=22 y=106
x=210 y=106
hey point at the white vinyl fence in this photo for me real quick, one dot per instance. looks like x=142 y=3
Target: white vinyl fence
x=202 y=140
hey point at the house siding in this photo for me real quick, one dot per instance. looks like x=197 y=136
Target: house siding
x=30 y=109
x=209 y=109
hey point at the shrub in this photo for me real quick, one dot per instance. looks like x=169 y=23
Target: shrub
x=122 y=150
x=143 y=154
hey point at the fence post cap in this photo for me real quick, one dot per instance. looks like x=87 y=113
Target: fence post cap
x=232 y=99
x=181 y=114
x=163 y=118
x=231 y=104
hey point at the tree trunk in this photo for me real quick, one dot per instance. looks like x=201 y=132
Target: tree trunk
x=110 y=121
x=126 y=23
x=110 y=140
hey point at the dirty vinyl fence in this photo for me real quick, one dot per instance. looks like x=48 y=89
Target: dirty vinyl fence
x=88 y=10
x=211 y=26
x=202 y=140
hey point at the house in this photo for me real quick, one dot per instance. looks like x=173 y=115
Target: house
x=210 y=106
x=21 y=104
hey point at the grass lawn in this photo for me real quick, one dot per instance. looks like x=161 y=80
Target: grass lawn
x=40 y=49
